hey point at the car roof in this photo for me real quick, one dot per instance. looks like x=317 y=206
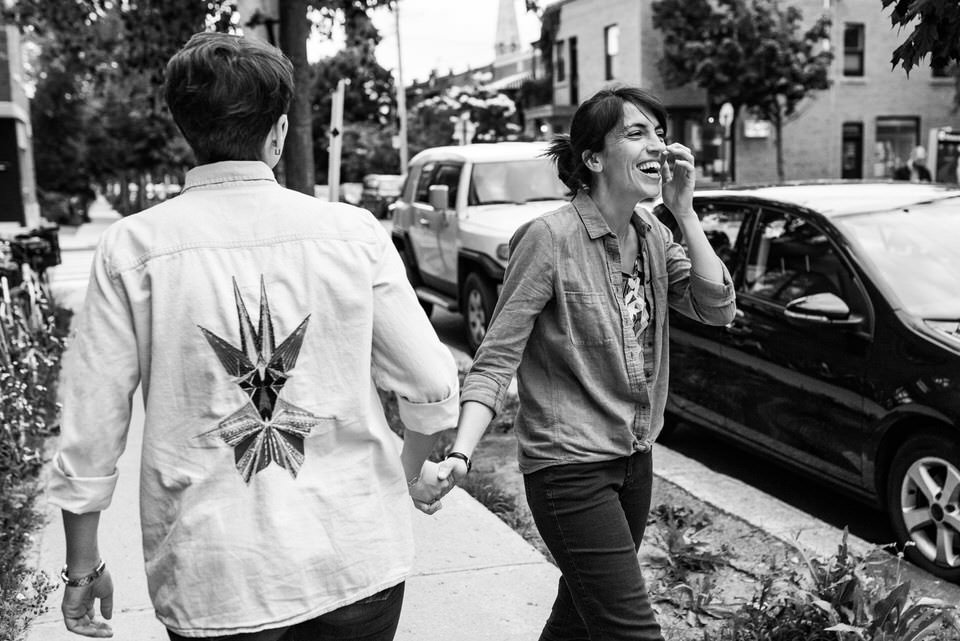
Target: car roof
x=483 y=152
x=840 y=198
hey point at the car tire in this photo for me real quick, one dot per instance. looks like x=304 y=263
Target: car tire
x=479 y=299
x=927 y=523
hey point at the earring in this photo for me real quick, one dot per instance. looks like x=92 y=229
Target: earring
x=276 y=148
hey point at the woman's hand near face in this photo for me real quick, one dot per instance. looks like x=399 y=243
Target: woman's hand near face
x=678 y=178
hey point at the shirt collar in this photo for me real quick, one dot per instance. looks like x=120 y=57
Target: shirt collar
x=593 y=220
x=218 y=173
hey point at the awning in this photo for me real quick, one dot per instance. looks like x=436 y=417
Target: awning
x=513 y=81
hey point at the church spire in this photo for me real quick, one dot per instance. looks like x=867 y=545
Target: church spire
x=508 y=30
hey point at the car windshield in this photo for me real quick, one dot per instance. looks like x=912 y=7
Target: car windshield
x=917 y=252
x=515 y=181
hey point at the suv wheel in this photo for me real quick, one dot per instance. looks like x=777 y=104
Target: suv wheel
x=923 y=501
x=478 y=301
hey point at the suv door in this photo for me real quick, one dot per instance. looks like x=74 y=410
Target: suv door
x=796 y=387
x=421 y=237
x=447 y=224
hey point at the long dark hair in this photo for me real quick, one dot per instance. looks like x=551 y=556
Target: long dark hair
x=593 y=119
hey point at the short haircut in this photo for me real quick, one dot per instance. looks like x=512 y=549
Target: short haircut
x=593 y=120
x=225 y=92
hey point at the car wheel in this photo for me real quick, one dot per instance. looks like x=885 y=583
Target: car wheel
x=478 y=301
x=923 y=501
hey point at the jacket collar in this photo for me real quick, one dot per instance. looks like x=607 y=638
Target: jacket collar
x=228 y=171
x=593 y=220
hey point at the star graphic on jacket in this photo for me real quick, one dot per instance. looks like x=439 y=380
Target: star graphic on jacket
x=267 y=429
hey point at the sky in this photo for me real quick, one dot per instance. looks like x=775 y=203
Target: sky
x=440 y=34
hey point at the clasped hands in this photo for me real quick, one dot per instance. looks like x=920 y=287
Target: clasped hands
x=433 y=483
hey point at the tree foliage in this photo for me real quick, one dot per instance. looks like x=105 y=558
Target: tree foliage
x=750 y=53
x=433 y=119
x=934 y=30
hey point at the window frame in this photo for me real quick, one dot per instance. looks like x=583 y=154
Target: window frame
x=610 y=57
x=854 y=53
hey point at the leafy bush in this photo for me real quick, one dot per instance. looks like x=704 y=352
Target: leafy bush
x=29 y=367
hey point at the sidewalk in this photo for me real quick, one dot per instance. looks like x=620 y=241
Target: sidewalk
x=86 y=236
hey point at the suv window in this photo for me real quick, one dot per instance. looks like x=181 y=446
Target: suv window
x=790 y=257
x=515 y=181
x=423 y=183
x=448 y=175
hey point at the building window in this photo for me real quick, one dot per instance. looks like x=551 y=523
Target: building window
x=944 y=70
x=896 y=141
x=851 y=164
x=574 y=74
x=611 y=48
x=561 y=64
x=853 y=49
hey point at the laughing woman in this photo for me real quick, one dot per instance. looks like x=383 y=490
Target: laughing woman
x=582 y=320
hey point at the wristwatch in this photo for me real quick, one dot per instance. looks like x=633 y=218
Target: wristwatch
x=86 y=579
x=463 y=457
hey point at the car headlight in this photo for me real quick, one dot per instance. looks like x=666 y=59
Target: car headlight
x=503 y=251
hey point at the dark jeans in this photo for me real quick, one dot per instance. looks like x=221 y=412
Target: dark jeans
x=592 y=517
x=372 y=619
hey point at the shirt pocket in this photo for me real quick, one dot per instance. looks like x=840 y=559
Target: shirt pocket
x=588 y=322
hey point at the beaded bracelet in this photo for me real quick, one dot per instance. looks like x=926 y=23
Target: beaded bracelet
x=87 y=579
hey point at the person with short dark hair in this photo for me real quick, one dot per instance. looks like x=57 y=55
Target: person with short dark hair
x=259 y=322
x=582 y=320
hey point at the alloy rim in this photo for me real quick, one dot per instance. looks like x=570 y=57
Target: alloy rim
x=476 y=318
x=930 y=503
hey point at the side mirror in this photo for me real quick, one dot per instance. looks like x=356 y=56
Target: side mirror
x=824 y=309
x=439 y=197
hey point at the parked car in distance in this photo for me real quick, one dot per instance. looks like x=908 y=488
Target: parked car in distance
x=379 y=192
x=844 y=357
x=456 y=215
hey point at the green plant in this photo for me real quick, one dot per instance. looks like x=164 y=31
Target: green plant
x=23 y=597
x=677 y=529
x=837 y=599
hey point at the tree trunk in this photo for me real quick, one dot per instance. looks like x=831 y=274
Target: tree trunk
x=298 y=166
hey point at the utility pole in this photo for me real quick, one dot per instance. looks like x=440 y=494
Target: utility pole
x=401 y=94
x=336 y=140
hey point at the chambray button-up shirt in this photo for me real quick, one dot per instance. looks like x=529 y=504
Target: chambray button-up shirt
x=258 y=320
x=586 y=393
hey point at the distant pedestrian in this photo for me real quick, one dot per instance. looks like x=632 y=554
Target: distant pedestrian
x=900 y=169
x=918 y=165
x=582 y=320
x=258 y=321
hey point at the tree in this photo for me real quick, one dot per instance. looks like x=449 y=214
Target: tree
x=746 y=52
x=936 y=31
x=433 y=120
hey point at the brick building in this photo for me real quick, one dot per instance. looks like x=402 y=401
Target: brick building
x=869 y=117
x=18 y=198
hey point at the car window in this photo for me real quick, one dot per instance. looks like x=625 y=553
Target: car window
x=790 y=258
x=515 y=181
x=448 y=175
x=423 y=184
x=721 y=223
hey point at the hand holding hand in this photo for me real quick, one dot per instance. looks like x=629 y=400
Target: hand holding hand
x=678 y=178
x=79 y=614
x=429 y=489
x=452 y=470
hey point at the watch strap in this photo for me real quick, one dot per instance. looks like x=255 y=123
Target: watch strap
x=463 y=457
x=86 y=579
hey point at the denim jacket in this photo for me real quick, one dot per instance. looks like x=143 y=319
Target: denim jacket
x=561 y=324
x=257 y=320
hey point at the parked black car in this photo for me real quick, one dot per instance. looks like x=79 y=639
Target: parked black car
x=844 y=357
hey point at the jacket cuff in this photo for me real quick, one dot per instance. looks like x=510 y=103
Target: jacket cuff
x=431 y=417
x=711 y=292
x=80 y=495
x=484 y=390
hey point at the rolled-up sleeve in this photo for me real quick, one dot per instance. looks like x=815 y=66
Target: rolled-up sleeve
x=692 y=295
x=100 y=373
x=408 y=357
x=527 y=288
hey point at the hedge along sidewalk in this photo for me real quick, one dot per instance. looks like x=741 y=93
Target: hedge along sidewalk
x=474 y=578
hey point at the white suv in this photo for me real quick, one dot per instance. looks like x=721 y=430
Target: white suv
x=456 y=214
